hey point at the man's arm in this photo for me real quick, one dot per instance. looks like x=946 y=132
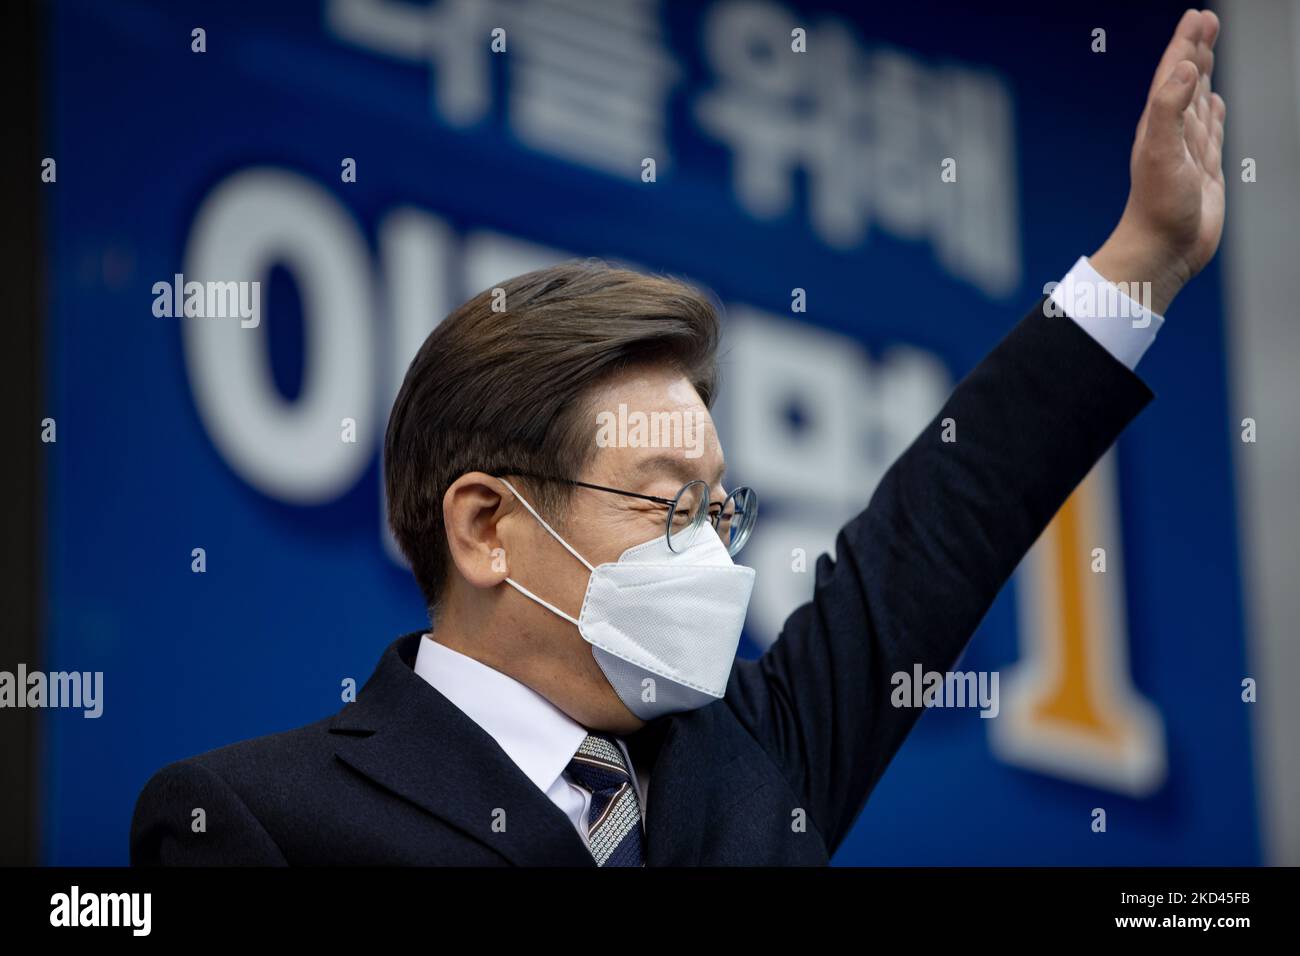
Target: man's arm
x=915 y=573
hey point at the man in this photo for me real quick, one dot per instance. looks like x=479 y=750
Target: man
x=577 y=701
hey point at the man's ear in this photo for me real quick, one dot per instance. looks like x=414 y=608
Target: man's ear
x=471 y=511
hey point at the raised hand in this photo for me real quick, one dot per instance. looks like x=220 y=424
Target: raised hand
x=1173 y=220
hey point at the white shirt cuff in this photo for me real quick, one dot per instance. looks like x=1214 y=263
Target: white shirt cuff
x=1122 y=325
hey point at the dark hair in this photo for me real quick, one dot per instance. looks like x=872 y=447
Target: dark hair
x=504 y=391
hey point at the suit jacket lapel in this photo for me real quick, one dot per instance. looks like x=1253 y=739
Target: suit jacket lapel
x=410 y=739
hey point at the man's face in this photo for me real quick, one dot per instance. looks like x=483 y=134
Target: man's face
x=601 y=526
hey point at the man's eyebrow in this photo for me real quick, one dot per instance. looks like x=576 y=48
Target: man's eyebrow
x=682 y=468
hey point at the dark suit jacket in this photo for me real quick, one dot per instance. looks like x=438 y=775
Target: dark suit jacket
x=403 y=776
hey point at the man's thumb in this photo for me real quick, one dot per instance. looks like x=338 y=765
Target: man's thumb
x=1174 y=97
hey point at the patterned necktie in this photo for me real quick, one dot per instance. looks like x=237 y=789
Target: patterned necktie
x=614 y=820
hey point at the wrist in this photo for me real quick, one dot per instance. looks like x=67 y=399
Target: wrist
x=1142 y=266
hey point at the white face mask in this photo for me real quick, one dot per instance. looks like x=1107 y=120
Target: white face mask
x=663 y=625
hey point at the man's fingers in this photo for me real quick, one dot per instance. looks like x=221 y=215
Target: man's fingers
x=1182 y=47
x=1194 y=40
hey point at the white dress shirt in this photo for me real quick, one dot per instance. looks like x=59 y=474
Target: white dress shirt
x=1123 y=326
x=541 y=739
x=535 y=734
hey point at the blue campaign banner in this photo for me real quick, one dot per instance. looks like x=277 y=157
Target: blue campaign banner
x=875 y=212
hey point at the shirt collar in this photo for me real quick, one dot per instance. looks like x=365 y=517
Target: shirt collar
x=539 y=737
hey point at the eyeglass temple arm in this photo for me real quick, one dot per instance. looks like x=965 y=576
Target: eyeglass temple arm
x=613 y=491
x=587 y=484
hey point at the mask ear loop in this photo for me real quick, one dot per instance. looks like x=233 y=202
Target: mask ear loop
x=551 y=531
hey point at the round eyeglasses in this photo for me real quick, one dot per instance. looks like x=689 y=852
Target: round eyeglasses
x=689 y=510
x=733 y=519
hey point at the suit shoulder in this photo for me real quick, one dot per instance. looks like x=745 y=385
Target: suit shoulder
x=282 y=749
x=243 y=767
x=235 y=786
